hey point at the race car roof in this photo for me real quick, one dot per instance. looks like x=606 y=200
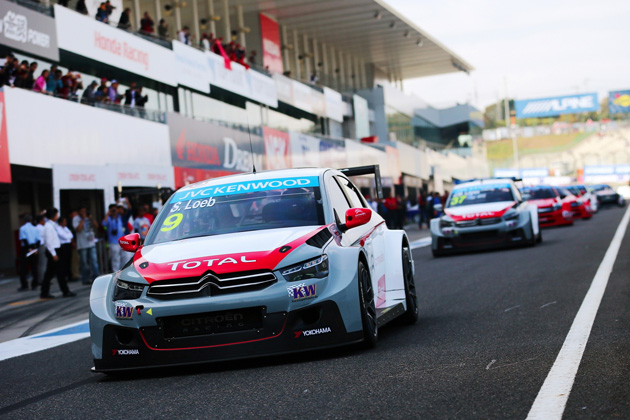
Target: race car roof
x=484 y=182
x=258 y=176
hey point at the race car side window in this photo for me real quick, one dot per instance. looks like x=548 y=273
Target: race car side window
x=337 y=198
x=351 y=192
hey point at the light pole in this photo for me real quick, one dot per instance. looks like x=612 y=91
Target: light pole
x=508 y=126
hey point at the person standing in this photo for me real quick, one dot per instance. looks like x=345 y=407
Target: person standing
x=85 y=226
x=115 y=230
x=124 y=22
x=29 y=244
x=141 y=223
x=40 y=221
x=65 y=252
x=146 y=24
x=53 y=245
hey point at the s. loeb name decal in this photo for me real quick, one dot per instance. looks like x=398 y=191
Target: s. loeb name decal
x=245 y=187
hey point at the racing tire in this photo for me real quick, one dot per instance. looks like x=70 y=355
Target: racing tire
x=368 y=307
x=539 y=236
x=534 y=240
x=411 y=299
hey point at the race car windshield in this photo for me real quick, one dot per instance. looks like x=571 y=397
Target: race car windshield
x=480 y=194
x=538 y=193
x=208 y=216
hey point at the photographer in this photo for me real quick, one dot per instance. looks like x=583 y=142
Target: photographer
x=85 y=226
x=114 y=228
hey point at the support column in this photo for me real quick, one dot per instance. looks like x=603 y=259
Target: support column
x=286 y=61
x=307 y=60
x=334 y=66
x=366 y=84
x=213 y=25
x=241 y=25
x=195 y=28
x=324 y=77
x=178 y=17
x=342 y=71
x=296 y=55
x=350 y=72
x=158 y=12
x=316 y=67
x=227 y=37
x=136 y=14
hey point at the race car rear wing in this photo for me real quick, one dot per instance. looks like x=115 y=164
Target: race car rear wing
x=367 y=170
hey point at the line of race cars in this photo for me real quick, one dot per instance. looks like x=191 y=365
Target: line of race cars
x=491 y=213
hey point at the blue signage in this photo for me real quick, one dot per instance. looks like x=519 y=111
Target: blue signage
x=549 y=107
x=619 y=102
x=245 y=187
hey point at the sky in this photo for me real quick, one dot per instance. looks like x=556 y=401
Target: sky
x=541 y=47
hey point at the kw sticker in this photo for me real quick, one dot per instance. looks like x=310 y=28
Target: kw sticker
x=124 y=312
x=302 y=292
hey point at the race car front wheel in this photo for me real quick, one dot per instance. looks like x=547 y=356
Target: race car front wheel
x=368 y=307
x=411 y=314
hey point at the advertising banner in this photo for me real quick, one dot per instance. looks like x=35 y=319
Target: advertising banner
x=117 y=48
x=284 y=87
x=5 y=166
x=207 y=146
x=304 y=150
x=619 y=102
x=54 y=140
x=28 y=31
x=78 y=177
x=549 y=107
x=247 y=83
x=332 y=153
x=272 y=53
x=140 y=176
x=334 y=104
x=277 y=148
x=192 y=67
x=361 y=117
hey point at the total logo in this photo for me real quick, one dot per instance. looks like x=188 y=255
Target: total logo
x=316 y=331
x=125 y=352
x=302 y=292
x=191 y=265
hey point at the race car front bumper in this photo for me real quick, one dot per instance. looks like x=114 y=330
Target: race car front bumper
x=501 y=233
x=317 y=326
x=558 y=217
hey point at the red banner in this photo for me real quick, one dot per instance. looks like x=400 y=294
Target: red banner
x=5 y=166
x=272 y=53
x=277 y=148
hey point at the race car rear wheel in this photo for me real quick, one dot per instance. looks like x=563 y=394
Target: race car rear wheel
x=368 y=307
x=411 y=314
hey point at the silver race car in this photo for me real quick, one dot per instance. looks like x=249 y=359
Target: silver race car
x=253 y=264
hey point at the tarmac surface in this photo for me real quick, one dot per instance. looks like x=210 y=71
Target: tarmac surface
x=491 y=326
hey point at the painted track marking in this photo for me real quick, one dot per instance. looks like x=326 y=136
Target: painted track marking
x=420 y=243
x=43 y=341
x=554 y=394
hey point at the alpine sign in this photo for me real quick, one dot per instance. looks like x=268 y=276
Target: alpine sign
x=549 y=107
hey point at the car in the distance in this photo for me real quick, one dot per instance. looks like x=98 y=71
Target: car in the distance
x=577 y=206
x=252 y=265
x=606 y=195
x=587 y=196
x=484 y=214
x=552 y=211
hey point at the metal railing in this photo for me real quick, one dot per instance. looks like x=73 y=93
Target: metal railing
x=36 y=6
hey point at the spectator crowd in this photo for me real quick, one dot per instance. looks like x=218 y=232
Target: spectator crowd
x=66 y=246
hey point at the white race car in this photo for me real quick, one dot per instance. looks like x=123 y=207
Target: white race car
x=253 y=264
x=484 y=214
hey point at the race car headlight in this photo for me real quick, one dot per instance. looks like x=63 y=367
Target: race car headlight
x=511 y=215
x=124 y=290
x=575 y=204
x=446 y=222
x=557 y=206
x=316 y=268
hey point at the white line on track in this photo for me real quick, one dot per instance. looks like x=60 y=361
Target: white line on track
x=421 y=243
x=554 y=394
x=44 y=341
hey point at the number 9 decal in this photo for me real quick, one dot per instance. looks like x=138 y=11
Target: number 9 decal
x=172 y=221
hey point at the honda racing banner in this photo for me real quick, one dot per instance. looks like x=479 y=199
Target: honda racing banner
x=106 y=44
x=277 y=148
x=619 y=102
x=28 y=31
x=203 y=146
x=270 y=34
x=192 y=67
x=549 y=107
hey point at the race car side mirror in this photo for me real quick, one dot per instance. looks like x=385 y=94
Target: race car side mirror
x=130 y=243
x=357 y=217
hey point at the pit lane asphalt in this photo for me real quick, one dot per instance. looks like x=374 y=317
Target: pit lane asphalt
x=491 y=325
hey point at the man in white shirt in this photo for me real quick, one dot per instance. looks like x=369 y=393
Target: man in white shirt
x=53 y=245
x=42 y=261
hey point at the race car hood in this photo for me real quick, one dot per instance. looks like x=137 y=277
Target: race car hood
x=543 y=202
x=245 y=251
x=479 y=211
